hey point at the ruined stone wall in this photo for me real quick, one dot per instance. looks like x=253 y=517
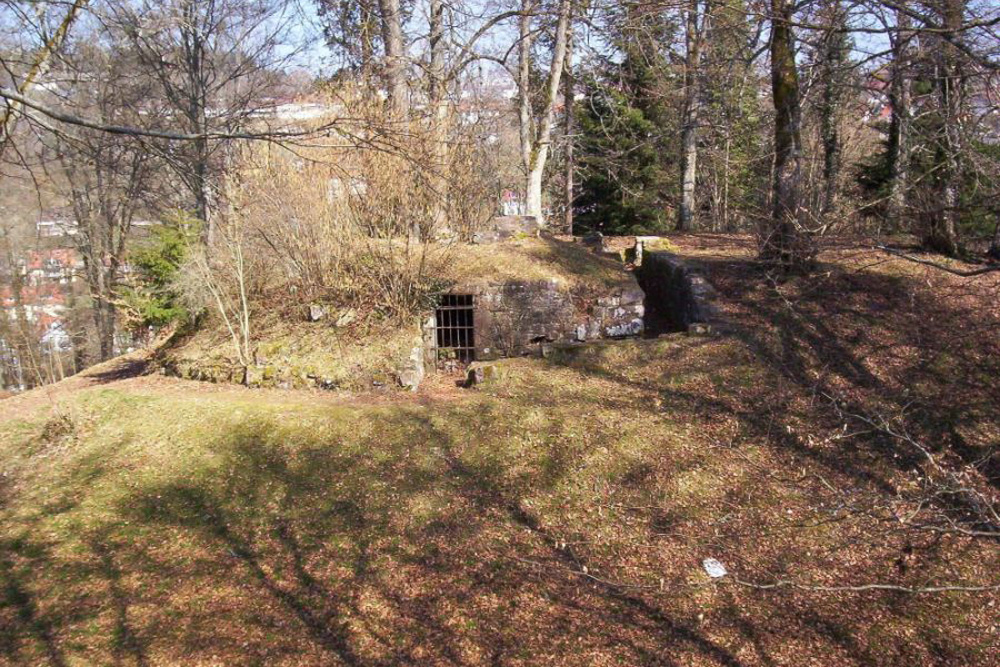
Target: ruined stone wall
x=515 y=318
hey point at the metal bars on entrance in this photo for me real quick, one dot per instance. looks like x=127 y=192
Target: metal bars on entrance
x=454 y=325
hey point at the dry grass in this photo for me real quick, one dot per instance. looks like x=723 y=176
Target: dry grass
x=557 y=517
x=294 y=353
x=570 y=264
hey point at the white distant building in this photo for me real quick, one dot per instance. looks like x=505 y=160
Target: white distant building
x=54 y=226
x=56 y=337
x=512 y=204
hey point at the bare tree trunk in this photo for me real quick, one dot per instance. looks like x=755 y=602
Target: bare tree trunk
x=543 y=136
x=994 y=251
x=784 y=243
x=23 y=344
x=201 y=190
x=195 y=103
x=725 y=226
x=395 y=56
x=941 y=233
x=104 y=324
x=899 y=126
x=694 y=35
x=569 y=94
x=834 y=56
x=526 y=131
x=96 y=243
x=438 y=95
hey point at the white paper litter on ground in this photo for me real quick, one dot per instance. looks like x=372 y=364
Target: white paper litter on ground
x=714 y=568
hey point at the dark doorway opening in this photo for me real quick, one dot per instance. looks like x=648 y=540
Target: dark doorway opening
x=455 y=326
x=665 y=298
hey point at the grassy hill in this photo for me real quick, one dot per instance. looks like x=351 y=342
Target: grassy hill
x=557 y=516
x=365 y=348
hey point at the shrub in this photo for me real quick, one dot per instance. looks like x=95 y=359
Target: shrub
x=153 y=298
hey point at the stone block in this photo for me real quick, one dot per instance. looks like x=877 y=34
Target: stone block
x=631 y=328
x=699 y=329
x=632 y=296
x=485 y=237
x=412 y=373
x=481 y=373
x=346 y=317
x=315 y=313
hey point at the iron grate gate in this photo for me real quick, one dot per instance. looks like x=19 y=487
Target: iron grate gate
x=453 y=321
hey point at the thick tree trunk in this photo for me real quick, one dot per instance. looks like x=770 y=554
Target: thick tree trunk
x=201 y=185
x=899 y=125
x=694 y=41
x=831 y=151
x=543 y=136
x=784 y=243
x=101 y=271
x=569 y=92
x=941 y=233
x=395 y=56
x=104 y=325
x=524 y=87
x=196 y=65
x=439 y=117
x=834 y=55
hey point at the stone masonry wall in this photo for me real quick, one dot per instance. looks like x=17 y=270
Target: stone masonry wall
x=516 y=318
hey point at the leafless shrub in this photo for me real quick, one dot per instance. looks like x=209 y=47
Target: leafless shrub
x=477 y=171
x=353 y=224
x=348 y=230
x=220 y=277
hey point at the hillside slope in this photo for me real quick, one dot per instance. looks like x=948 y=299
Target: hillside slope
x=557 y=516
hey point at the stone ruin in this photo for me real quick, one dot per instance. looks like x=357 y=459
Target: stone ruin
x=484 y=322
x=516 y=318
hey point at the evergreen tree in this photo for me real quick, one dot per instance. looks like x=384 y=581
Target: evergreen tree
x=154 y=300
x=627 y=127
x=624 y=179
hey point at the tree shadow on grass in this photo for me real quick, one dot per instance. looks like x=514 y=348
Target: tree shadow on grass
x=928 y=355
x=415 y=540
x=119 y=369
x=24 y=622
x=334 y=539
x=626 y=609
x=29 y=624
x=872 y=341
x=125 y=642
x=879 y=345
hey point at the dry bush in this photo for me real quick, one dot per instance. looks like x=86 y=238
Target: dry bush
x=347 y=230
x=347 y=224
x=228 y=276
x=363 y=220
x=481 y=166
